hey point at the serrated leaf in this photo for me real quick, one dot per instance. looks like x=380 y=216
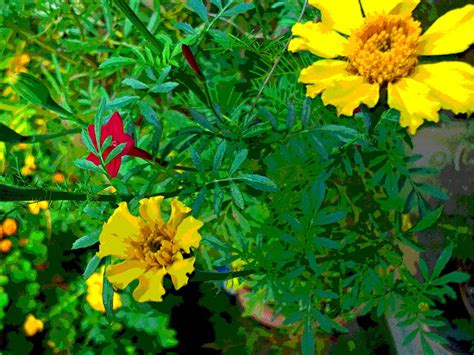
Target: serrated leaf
x=428 y=220
x=114 y=62
x=198 y=202
x=218 y=157
x=218 y=198
x=323 y=218
x=197 y=161
x=306 y=111
x=238 y=9
x=164 y=87
x=237 y=195
x=455 y=276
x=201 y=120
x=238 y=160
x=87 y=165
x=423 y=269
x=86 y=139
x=433 y=191
x=121 y=101
x=185 y=27
x=134 y=83
x=290 y=118
x=116 y=151
x=86 y=241
x=92 y=265
x=199 y=8
x=259 y=182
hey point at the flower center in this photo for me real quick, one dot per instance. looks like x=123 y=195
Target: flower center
x=384 y=49
x=158 y=248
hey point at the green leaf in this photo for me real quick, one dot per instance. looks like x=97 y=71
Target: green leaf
x=259 y=182
x=218 y=157
x=33 y=90
x=411 y=336
x=307 y=339
x=238 y=160
x=325 y=242
x=164 y=87
x=218 y=198
x=345 y=134
x=108 y=293
x=201 y=119
x=290 y=118
x=87 y=165
x=218 y=3
x=442 y=261
x=86 y=241
x=428 y=220
x=197 y=161
x=135 y=84
x=238 y=9
x=306 y=111
x=121 y=101
x=455 y=276
x=427 y=349
x=92 y=265
x=323 y=218
x=433 y=191
x=115 y=62
x=9 y=135
x=98 y=122
x=201 y=197
x=116 y=151
x=86 y=139
x=437 y=338
x=423 y=269
x=199 y=8
x=237 y=195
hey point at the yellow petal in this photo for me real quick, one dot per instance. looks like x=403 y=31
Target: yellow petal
x=414 y=101
x=321 y=74
x=34 y=208
x=150 y=286
x=451 y=83
x=451 y=33
x=348 y=92
x=341 y=15
x=394 y=7
x=187 y=234
x=178 y=213
x=150 y=210
x=317 y=38
x=121 y=274
x=118 y=233
x=178 y=272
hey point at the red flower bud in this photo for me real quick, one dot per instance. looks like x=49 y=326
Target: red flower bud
x=189 y=56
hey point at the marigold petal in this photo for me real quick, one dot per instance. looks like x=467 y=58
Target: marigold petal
x=121 y=274
x=317 y=38
x=179 y=270
x=451 y=83
x=451 y=33
x=187 y=234
x=118 y=233
x=348 y=92
x=321 y=74
x=150 y=210
x=341 y=15
x=414 y=101
x=394 y=7
x=178 y=213
x=150 y=286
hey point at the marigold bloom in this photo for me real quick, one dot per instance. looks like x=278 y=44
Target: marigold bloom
x=94 y=292
x=9 y=226
x=5 y=245
x=114 y=128
x=58 y=178
x=380 y=45
x=30 y=165
x=151 y=248
x=36 y=207
x=32 y=325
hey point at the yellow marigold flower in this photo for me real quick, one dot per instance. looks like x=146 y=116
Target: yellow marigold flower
x=58 y=178
x=30 y=165
x=9 y=226
x=94 y=292
x=32 y=325
x=151 y=248
x=5 y=245
x=406 y=222
x=36 y=207
x=379 y=45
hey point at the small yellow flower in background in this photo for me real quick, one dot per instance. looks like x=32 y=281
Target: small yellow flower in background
x=22 y=146
x=379 y=44
x=32 y=325
x=5 y=245
x=151 y=248
x=234 y=285
x=94 y=292
x=18 y=63
x=406 y=222
x=30 y=165
x=36 y=207
x=9 y=226
x=58 y=178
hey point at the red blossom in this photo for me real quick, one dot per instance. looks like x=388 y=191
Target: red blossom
x=113 y=128
x=189 y=56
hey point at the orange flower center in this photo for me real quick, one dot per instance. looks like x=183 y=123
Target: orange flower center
x=158 y=247
x=384 y=49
